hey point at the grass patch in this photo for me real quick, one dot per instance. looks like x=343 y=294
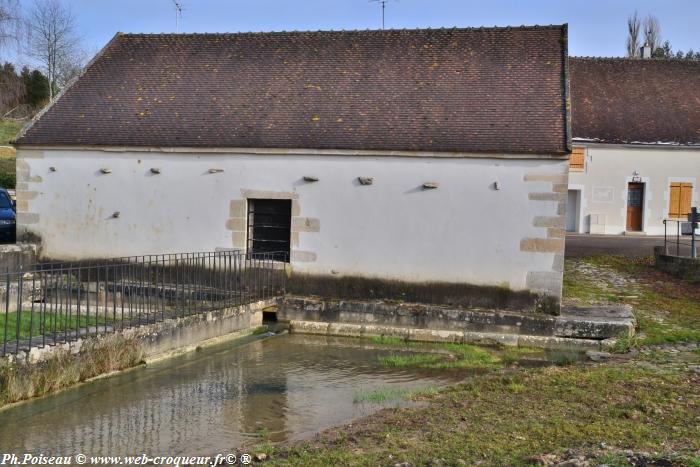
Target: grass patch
x=410 y=360
x=390 y=341
x=457 y=356
x=625 y=343
x=445 y=355
x=8 y=175
x=63 y=369
x=41 y=323
x=8 y=130
x=511 y=355
x=389 y=394
x=663 y=315
x=505 y=420
x=563 y=357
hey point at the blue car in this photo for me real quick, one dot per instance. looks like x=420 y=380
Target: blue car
x=8 y=223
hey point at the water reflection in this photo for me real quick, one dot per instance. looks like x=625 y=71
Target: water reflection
x=211 y=401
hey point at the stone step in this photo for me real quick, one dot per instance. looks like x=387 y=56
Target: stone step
x=578 y=323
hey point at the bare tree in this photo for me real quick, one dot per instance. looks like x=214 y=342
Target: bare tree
x=634 y=27
x=652 y=33
x=53 y=39
x=10 y=20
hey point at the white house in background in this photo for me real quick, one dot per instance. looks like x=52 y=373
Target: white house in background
x=418 y=157
x=636 y=138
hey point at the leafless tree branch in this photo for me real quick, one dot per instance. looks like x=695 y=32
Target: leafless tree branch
x=634 y=26
x=53 y=40
x=652 y=32
x=10 y=21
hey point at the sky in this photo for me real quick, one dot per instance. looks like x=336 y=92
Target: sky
x=596 y=27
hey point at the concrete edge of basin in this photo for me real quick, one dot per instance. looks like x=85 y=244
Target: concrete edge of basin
x=432 y=335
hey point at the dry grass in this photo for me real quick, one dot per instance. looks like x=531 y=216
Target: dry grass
x=98 y=356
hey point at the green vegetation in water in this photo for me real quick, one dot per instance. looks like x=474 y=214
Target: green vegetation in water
x=445 y=355
x=390 y=340
x=260 y=330
x=409 y=360
x=390 y=394
x=42 y=323
x=456 y=356
x=263 y=433
x=506 y=420
x=512 y=355
x=19 y=381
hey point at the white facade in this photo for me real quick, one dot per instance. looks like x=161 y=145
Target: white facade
x=599 y=193
x=495 y=220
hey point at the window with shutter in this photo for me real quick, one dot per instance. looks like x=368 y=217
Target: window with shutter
x=577 y=160
x=680 y=199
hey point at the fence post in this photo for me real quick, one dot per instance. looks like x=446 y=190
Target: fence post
x=7 y=310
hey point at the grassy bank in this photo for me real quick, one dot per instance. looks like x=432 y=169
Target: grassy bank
x=667 y=308
x=638 y=409
x=8 y=130
x=98 y=356
x=511 y=420
x=449 y=356
x=8 y=177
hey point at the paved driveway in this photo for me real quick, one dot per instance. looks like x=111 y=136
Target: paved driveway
x=578 y=245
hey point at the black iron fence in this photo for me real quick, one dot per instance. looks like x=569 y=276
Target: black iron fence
x=54 y=303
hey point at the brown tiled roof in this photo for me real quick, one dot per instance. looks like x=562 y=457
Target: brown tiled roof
x=619 y=100
x=466 y=90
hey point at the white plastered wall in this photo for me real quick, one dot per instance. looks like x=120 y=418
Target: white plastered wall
x=609 y=169
x=464 y=231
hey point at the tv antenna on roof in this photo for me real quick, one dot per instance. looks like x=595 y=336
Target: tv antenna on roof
x=383 y=3
x=178 y=14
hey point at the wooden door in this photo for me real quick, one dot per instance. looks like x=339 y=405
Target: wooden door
x=635 y=206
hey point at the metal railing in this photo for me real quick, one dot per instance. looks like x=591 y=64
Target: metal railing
x=55 y=303
x=685 y=238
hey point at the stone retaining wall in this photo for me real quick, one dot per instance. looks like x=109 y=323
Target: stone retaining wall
x=173 y=335
x=15 y=255
x=588 y=327
x=679 y=266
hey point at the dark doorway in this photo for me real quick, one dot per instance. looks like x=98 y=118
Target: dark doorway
x=269 y=227
x=635 y=206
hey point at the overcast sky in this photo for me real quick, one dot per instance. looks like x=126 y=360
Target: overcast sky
x=596 y=27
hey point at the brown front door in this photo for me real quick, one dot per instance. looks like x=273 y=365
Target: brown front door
x=635 y=204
